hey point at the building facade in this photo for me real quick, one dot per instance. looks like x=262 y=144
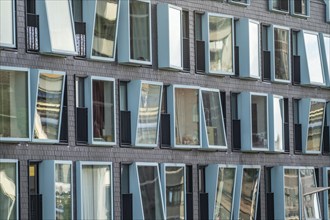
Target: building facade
x=163 y=109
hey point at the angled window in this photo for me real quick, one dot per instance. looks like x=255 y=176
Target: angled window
x=240 y=2
x=300 y=7
x=174 y=190
x=276 y=120
x=55 y=185
x=311 y=65
x=101 y=18
x=14 y=104
x=7 y=24
x=169 y=25
x=220 y=186
x=246 y=192
x=213 y=132
x=248 y=41
x=145 y=111
x=9 y=196
x=327 y=5
x=134 y=36
x=325 y=48
x=219 y=47
x=145 y=186
x=184 y=108
x=281 y=6
x=47 y=102
x=326 y=195
x=99 y=98
x=56 y=32
x=94 y=190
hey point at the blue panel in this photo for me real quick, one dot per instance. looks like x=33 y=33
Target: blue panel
x=245 y=115
x=133 y=104
x=277 y=187
x=89 y=10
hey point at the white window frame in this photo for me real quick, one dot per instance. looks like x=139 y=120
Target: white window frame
x=248 y=2
x=13 y=18
x=273 y=120
x=292 y=6
x=270 y=7
x=325 y=57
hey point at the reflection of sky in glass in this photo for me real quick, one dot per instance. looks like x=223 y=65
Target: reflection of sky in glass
x=6 y=22
x=291 y=193
x=175 y=36
x=278 y=124
x=327 y=51
x=254 y=49
x=313 y=58
x=315 y=126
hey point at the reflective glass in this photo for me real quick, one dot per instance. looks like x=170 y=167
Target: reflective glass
x=63 y=191
x=48 y=109
x=329 y=194
x=259 y=121
x=103 y=111
x=291 y=194
x=175 y=37
x=300 y=7
x=14 y=109
x=8 y=189
x=96 y=192
x=315 y=126
x=278 y=123
x=221 y=44
x=254 y=49
x=282 y=5
x=175 y=193
x=313 y=57
x=213 y=118
x=249 y=193
x=139 y=30
x=148 y=114
x=150 y=192
x=105 y=28
x=60 y=25
x=327 y=51
x=187 y=116
x=7 y=24
x=282 y=54
x=224 y=196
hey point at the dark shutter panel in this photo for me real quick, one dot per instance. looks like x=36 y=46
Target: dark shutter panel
x=236 y=60
x=127 y=207
x=326 y=140
x=125 y=127
x=186 y=54
x=297 y=137
x=298 y=6
x=64 y=125
x=203 y=206
x=236 y=134
x=267 y=65
x=286 y=137
x=200 y=56
x=81 y=125
x=296 y=69
x=165 y=121
x=270 y=206
x=189 y=208
x=35 y=207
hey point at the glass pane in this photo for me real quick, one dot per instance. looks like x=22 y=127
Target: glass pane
x=103 y=111
x=96 y=192
x=221 y=44
x=329 y=193
x=315 y=126
x=175 y=36
x=139 y=30
x=60 y=27
x=300 y=7
x=175 y=194
x=259 y=121
x=150 y=192
x=8 y=197
x=14 y=122
x=63 y=191
x=105 y=28
x=282 y=58
x=291 y=194
x=254 y=49
x=242 y=1
x=47 y=115
x=148 y=114
x=7 y=22
x=311 y=202
x=313 y=58
x=278 y=123
x=249 y=194
x=213 y=118
x=187 y=116
x=327 y=52
x=282 y=5
x=224 y=196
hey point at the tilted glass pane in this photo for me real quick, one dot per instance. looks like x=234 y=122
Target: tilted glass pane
x=103 y=111
x=175 y=193
x=315 y=126
x=48 y=109
x=310 y=202
x=327 y=51
x=187 y=116
x=139 y=30
x=6 y=22
x=249 y=193
x=291 y=194
x=60 y=25
x=278 y=123
x=282 y=54
x=213 y=118
x=150 y=192
x=63 y=191
x=221 y=44
x=224 y=196
x=313 y=57
x=14 y=119
x=175 y=37
x=259 y=121
x=254 y=49
x=8 y=189
x=148 y=114
x=96 y=192
x=105 y=28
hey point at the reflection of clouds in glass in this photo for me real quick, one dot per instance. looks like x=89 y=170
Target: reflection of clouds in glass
x=254 y=49
x=278 y=124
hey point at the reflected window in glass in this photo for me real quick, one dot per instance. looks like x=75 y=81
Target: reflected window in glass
x=315 y=126
x=63 y=191
x=282 y=54
x=259 y=121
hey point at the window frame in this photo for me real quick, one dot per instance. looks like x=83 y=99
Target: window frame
x=325 y=193
x=327 y=13
x=326 y=63
x=89 y=106
x=14 y=28
x=292 y=9
x=270 y=7
x=272 y=120
x=79 y=166
x=28 y=92
x=248 y=2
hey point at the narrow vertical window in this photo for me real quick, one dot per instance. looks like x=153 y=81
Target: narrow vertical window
x=325 y=48
x=276 y=117
x=175 y=24
x=291 y=188
x=7 y=24
x=300 y=7
x=259 y=121
x=279 y=5
x=282 y=54
x=315 y=126
x=185 y=41
x=63 y=191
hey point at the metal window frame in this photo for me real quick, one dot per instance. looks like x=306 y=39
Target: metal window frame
x=14 y=30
